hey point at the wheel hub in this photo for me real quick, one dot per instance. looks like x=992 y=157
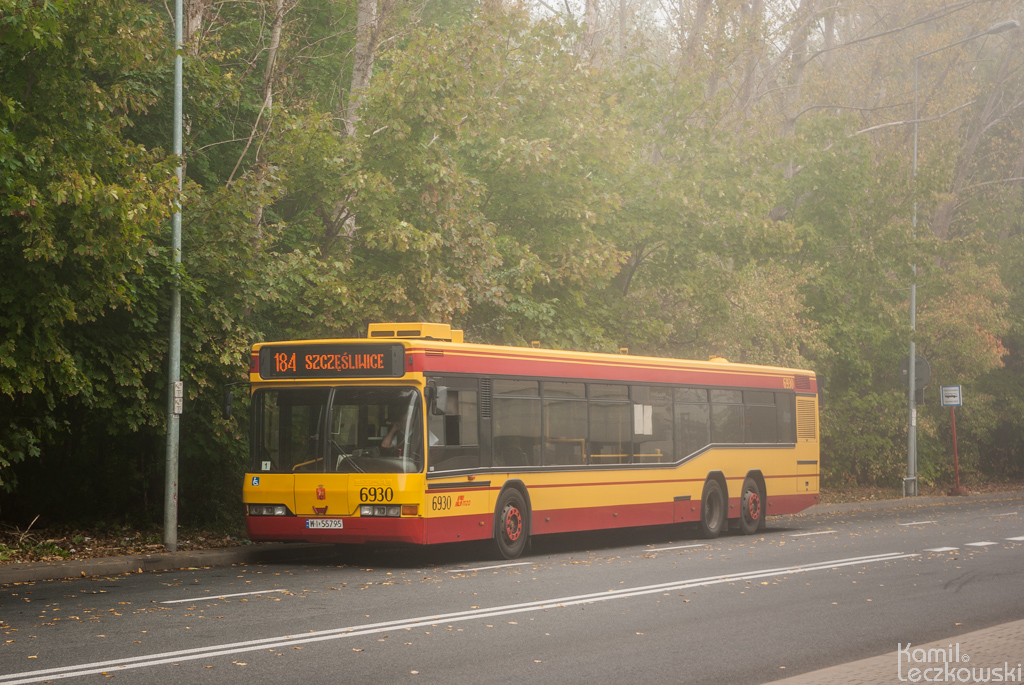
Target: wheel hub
x=753 y=506
x=513 y=523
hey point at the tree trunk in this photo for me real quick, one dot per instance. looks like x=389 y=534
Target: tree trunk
x=693 y=43
x=194 y=11
x=268 y=105
x=591 y=39
x=362 y=66
x=752 y=15
x=942 y=219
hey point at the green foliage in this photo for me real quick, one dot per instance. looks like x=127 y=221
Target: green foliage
x=508 y=174
x=866 y=438
x=80 y=206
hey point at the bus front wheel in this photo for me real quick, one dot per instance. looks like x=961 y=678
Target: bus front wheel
x=712 y=510
x=511 y=529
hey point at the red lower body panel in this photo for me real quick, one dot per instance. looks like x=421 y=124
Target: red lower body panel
x=790 y=504
x=621 y=516
x=420 y=531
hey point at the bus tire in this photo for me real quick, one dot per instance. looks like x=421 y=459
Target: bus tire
x=751 y=507
x=511 y=524
x=712 y=510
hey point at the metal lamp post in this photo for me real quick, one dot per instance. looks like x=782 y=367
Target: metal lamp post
x=175 y=396
x=910 y=482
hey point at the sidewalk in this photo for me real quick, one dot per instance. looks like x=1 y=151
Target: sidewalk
x=994 y=654
x=162 y=561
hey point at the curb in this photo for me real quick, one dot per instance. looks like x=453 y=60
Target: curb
x=293 y=551
x=909 y=503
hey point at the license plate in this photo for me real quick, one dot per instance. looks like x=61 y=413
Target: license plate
x=325 y=523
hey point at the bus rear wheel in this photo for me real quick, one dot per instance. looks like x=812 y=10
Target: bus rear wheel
x=712 y=510
x=751 y=507
x=511 y=524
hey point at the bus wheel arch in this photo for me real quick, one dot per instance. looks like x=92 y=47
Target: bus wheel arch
x=753 y=503
x=512 y=520
x=714 y=517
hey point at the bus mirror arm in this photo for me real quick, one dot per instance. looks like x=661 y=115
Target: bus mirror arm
x=229 y=399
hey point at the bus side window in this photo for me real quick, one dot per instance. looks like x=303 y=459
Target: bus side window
x=652 y=425
x=785 y=408
x=693 y=421
x=611 y=432
x=759 y=412
x=453 y=437
x=516 y=423
x=727 y=417
x=458 y=425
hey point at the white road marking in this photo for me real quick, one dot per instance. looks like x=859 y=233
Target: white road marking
x=942 y=549
x=665 y=549
x=981 y=544
x=819 y=532
x=488 y=568
x=1009 y=513
x=916 y=523
x=208 y=597
x=118 y=665
x=1020 y=539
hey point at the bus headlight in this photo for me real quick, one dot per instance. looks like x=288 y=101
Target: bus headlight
x=389 y=510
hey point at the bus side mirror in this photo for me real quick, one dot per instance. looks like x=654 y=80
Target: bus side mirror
x=439 y=401
x=229 y=402
x=822 y=382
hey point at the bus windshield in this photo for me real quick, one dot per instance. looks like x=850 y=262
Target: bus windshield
x=337 y=430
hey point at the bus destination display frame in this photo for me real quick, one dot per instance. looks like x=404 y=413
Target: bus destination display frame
x=332 y=360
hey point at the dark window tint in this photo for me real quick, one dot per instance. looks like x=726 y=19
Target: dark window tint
x=610 y=432
x=515 y=387
x=691 y=395
x=601 y=391
x=556 y=389
x=565 y=440
x=727 y=396
x=693 y=428
x=726 y=423
x=785 y=412
x=761 y=424
x=762 y=397
x=516 y=430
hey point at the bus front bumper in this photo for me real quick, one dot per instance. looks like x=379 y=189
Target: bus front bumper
x=355 y=530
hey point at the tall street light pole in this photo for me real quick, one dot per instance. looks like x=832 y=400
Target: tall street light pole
x=910 y=483
x=175 y=395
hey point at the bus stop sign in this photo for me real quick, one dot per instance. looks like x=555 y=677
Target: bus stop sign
x=952 y=396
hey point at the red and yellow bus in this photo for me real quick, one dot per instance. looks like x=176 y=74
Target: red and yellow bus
x=413 y=436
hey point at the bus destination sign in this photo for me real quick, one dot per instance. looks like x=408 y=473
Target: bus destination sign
x=332 y=361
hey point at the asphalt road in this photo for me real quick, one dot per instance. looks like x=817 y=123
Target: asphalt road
x=635 y=606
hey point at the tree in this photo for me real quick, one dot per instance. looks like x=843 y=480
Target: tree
x=81 y=207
